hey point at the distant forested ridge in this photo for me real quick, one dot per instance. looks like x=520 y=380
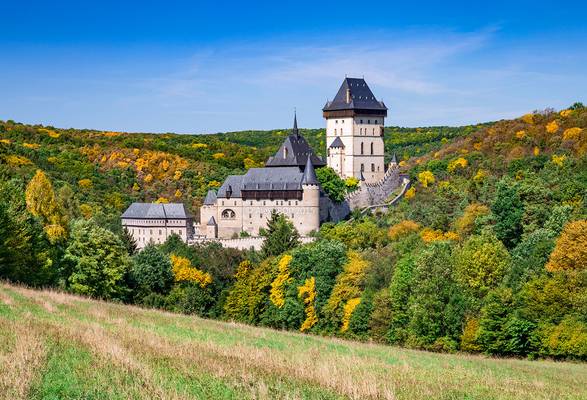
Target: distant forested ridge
x=487 y=252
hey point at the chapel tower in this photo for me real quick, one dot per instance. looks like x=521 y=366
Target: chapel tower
x=354 y=132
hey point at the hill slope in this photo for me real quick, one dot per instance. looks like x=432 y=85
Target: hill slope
x=54 y=345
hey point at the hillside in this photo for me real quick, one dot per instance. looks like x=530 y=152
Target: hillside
x=486 y=252
x=101 y=173
x=54 y=345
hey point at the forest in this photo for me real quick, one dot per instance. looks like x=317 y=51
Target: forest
x=486 y=253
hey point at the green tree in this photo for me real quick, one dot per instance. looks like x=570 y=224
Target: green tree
x=482 y=263
x=508 y=211
x=280 y=235
x=399 y=294
x=436 y=305
x=98 y=262
x=332 y=184
x=152 y=271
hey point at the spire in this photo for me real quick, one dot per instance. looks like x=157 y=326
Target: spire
x=295 y=125
x=393 y=159
x=309 y=177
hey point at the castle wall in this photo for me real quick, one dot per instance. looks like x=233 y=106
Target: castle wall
x=252 y=215
x=145 y=231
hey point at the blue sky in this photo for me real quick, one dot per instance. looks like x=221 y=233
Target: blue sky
x=191 y=67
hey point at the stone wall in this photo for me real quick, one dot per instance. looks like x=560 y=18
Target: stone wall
x=246 y=243
x=369 y=194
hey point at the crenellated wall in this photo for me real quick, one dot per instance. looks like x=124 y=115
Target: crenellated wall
x=245 y=243
x=369 y=194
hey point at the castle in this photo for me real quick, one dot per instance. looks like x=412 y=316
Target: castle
x=288 y=183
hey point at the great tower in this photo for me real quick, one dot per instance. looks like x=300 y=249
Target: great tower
x=354 y=132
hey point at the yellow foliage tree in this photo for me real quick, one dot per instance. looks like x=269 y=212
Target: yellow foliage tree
x=552 y=127
x=347 y=287
x=572 y=133
x=536 y=151
x=466 y=223
x=178 y=194
x=403 y=228
x=570 y=251
x=162 y=200
x=521 y=134
x=177 y=175
x=41 y=201
x=148 y=178
x=183 y=271
x=480 y=176
x=429 y=235
x=218 y=155
x=276 y=294
x=86 y=211
x=528 y=118
x=85 y=183
x=410 y=193
x=348 y=309
x=558 y=160
x=17 y=161
x=566 y=113
x=470 y=335
x=426 y=178
x=307 y=292
x=459 y=163
x=33 y=146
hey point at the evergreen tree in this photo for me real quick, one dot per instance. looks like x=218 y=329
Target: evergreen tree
x=508 y=211
x=129 y=241
x=280 y=235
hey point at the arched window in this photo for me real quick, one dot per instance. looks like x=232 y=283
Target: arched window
x=228 y=214
x=362 y=152
x=371 y=147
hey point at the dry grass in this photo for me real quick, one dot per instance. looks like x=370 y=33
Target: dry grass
x=176 y=357
x=19 y=366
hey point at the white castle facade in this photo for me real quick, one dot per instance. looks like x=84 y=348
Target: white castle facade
x=288 y=183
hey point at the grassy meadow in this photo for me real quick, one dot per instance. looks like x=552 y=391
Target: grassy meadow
x=58 y=346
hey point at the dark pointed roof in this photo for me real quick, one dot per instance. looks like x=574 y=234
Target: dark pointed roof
x=309 y=177
x=294 y=151
x=354 y=94
x=337 y=142
x=394 y=159
x=212 y=221
x=210 y=198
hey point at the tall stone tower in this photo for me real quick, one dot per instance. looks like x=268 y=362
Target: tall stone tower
x=354 y=132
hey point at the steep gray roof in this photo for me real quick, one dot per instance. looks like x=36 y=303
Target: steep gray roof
x=285 y=178
x=156 y=211
x=337 y=142
x=294 y=151
x=231 y=187
x=359 y=95
x=394 y=159
x=309 y=177
x=211 y=221
x=210 y=198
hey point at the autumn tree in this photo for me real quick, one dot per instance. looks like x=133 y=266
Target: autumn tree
x=570 y=252
x=41 y=202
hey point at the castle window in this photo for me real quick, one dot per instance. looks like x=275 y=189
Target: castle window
x=372 y=167
x=371 y=147
x=361 y=121
x=336 y=121
x=235 y=201
x=374 y=131
x=228 y=214
x=362 y=152
x=250 y=215
x=368 y=121
x=362 y=167
x=375 y=121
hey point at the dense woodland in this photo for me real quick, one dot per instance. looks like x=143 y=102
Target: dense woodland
x=487 y=252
